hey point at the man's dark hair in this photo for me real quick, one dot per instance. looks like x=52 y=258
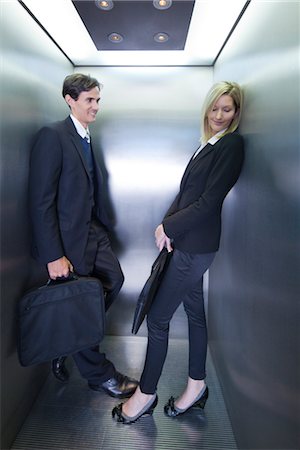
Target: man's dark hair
x=76 y=83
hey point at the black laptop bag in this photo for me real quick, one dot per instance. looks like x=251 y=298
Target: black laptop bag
x=59 y=319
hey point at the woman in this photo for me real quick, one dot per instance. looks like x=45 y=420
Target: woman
x=192 y=227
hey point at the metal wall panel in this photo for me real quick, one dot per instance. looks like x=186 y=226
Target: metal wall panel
x=31 y=73
x=254 y=281
x=145 y=134
x=147 y=130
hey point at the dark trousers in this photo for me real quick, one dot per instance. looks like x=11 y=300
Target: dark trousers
x=183 y=282
x=101 y=262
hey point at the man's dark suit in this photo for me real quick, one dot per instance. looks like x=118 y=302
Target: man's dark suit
x=69 y=219
x=61 y=194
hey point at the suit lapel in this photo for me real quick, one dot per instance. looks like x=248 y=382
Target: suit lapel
x=76 y=140
x=194 y=161
x=97 y=169
x=207 y=149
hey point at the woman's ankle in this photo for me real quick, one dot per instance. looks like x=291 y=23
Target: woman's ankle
x=142 y=394
x=136 y=402
x=195 y=385
x=191 y=392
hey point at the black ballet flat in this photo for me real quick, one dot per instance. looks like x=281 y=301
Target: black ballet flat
x=172 y=411
x=148 y=409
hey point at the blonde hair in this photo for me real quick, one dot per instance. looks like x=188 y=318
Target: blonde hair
x=222 y=88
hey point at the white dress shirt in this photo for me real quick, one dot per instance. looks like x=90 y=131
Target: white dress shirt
x=83 y=132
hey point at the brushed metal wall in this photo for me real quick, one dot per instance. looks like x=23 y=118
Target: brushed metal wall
x=254 y=281
x=147 y=130
x=145 y=134
x=31 y=73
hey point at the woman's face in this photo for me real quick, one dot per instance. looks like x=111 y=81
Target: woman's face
x=221 y=114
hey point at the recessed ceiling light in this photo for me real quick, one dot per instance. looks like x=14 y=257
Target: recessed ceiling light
x=161 y=37
x=162 y=4
x=106 y=5
x=116 y=38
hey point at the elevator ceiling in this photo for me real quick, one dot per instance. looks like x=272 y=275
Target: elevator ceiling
x=136 y=25
x=129 y=33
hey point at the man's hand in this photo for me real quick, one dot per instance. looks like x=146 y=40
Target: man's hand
x=162 y=239
x=59 y=268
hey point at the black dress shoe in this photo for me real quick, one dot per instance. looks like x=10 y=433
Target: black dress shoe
x=59 y=369
x=148 y=409
x=118 y=386
x=172 y=411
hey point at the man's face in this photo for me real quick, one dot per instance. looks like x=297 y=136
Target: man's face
x=85 y=108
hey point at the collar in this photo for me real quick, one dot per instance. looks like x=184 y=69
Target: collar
x=216 y=137
x=210 y=141
x=83 y=132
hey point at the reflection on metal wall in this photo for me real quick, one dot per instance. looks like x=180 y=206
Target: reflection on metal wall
x=148 y=129
x=254 y=282
x=30 y=96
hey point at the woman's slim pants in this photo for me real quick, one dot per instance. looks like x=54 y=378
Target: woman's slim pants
x=183 y=282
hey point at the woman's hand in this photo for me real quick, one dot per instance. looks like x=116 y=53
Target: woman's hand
x=162 y=239
x=59 y=268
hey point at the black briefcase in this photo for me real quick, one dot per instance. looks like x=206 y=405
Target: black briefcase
x=150 y=288
x=59 y=319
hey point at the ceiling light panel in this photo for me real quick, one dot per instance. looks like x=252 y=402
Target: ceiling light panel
x=207 y=33
x=137 y=21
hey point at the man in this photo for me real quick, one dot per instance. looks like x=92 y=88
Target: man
x=69 y=220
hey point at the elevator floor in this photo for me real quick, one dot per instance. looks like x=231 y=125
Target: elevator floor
x=71 y=416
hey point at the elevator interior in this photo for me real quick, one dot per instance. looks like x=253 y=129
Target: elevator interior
x=146 y=131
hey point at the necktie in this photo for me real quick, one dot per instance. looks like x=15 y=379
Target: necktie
x=87 y=151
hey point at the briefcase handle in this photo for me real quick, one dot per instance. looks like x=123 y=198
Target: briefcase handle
x=72 y=276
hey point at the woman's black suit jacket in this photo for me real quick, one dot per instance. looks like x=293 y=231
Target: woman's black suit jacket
x=194 y=219
x=62 y=194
